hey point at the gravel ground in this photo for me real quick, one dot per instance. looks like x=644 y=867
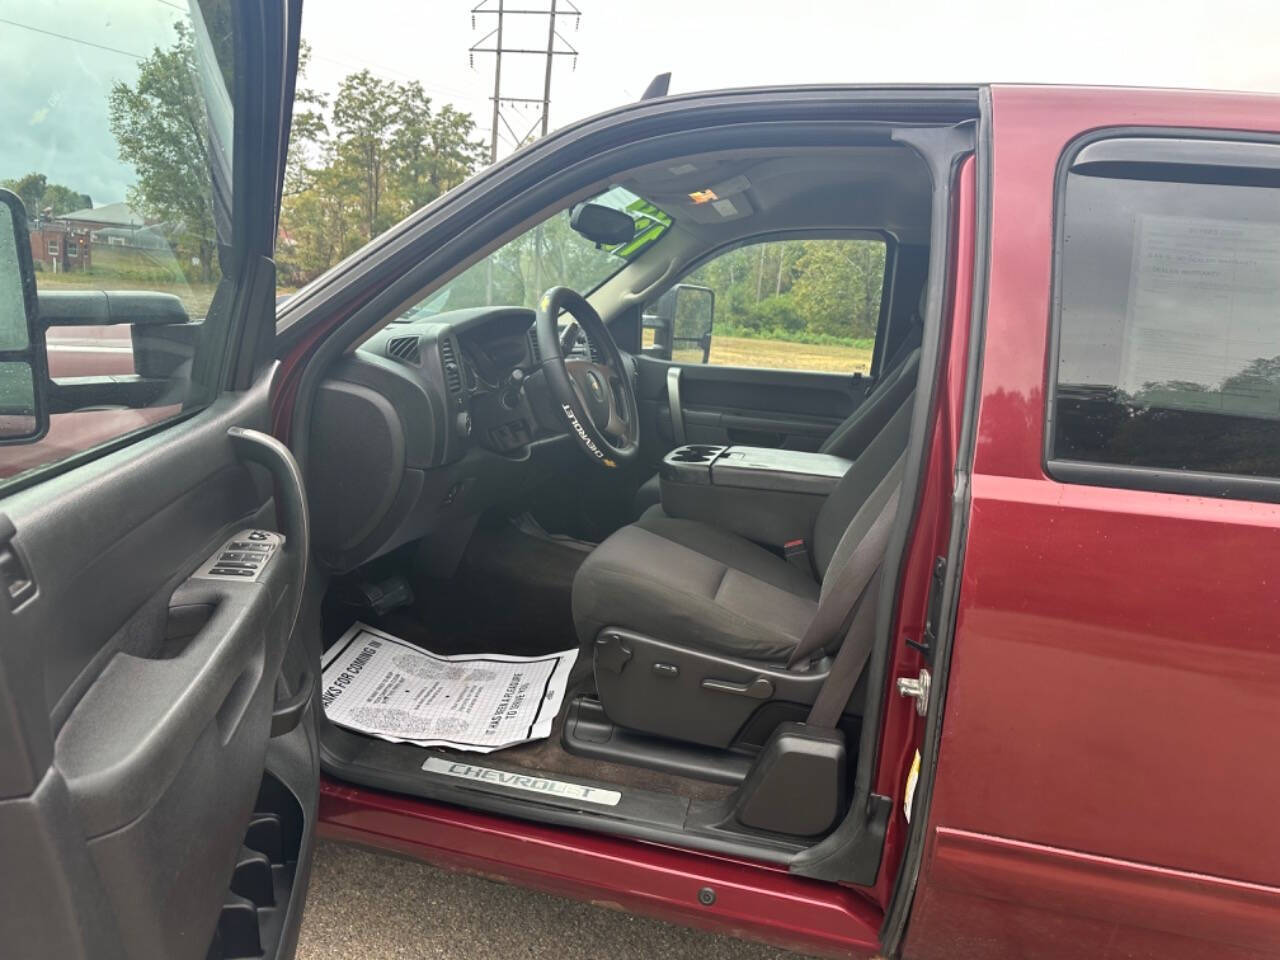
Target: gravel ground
x=375 y=907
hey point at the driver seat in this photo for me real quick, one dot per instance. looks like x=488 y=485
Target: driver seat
x=693 y=628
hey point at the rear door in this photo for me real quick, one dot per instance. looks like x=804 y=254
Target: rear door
x=1101 y=787
x=798 y=329
x=157 y=785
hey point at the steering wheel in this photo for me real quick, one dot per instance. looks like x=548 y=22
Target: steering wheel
x=597 y=400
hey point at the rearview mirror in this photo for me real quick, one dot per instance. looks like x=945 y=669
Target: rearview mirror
x=602 y=225
x=24 y=416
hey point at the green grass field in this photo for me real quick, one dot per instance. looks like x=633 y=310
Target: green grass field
x=781 y=355
x=123 y=268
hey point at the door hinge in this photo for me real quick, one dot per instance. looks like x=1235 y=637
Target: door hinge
x=918 y=689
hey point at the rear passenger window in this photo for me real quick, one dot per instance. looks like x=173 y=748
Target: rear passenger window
x=1169 y=325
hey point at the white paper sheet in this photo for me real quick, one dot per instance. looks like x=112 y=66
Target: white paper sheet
x=1202 y=310
x=379 y=685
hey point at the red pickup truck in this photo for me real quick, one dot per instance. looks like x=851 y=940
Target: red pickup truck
x=968 y=649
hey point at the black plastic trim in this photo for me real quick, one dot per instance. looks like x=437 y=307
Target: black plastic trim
x=34 y=353
x=851 y=854
x=903 y=895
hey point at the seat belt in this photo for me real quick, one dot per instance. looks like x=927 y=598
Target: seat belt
x=850 y=660
x=855 y=585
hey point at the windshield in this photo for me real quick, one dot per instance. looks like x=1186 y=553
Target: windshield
x=549 y=255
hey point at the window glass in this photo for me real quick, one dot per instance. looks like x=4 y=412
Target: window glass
x=1169 y=344
x=786 y=304
x=13 y=309
x=549 y=255
x=123 y=163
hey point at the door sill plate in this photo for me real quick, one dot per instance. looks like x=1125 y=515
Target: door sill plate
x=491 y=776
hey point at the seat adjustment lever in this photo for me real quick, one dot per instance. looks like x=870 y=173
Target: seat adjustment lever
x=761 y=688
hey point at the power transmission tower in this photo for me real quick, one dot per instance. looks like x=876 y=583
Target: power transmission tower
x=557 y=46
x=499 y=9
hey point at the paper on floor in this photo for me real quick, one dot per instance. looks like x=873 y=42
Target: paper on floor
x=377 y=684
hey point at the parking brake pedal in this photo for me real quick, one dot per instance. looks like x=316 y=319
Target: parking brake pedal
x=381 y=597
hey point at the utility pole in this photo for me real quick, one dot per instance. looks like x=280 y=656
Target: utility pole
x=551 y=52
x=557 y=46
x=497 y=87
x=500 y=10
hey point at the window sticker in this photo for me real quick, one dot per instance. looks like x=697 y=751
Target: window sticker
x=1203 y=315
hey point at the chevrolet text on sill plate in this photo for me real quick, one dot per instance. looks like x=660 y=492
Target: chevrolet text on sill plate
x=522 y=781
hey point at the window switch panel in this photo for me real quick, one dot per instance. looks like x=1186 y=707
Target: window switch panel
x=243 y=557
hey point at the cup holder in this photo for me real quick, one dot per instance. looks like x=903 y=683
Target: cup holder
x=695 y=453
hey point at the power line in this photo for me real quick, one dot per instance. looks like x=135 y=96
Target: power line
x=557 y=46
x=440 y=89
x=565 y=49
x=63 y=36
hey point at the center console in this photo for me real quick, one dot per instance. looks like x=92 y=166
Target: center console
x=767 y=495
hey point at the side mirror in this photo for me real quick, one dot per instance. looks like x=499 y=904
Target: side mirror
x=602 y=225
x=695 y=316
x=24 y=413
x=681 y=320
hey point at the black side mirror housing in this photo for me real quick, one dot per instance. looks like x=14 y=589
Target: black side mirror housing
x=602 y=225
x=24 y=372
x=681 y=319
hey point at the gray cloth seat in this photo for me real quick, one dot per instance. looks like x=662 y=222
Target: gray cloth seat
x=689 y=583
x=672 y=578
x=851 y=437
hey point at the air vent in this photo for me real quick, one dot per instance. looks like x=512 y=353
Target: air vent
x=404 y=349
x=535 y=354
x=449 y=360
x=596 y=354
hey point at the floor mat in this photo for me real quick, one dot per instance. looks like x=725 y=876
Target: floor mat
x=550 y=757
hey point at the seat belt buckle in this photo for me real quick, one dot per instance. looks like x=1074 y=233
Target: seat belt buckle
x=797 y=554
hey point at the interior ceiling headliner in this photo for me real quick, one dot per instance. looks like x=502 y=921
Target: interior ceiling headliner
x=867 y=187
x=774 y=191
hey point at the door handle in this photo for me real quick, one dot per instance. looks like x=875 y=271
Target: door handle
x=291 y=497
x=287 y=713
x=673 y=405
x=761 y=688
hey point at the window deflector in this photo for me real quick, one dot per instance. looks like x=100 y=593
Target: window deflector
x=1162 y=158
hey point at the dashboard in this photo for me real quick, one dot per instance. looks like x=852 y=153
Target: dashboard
x=425 y=425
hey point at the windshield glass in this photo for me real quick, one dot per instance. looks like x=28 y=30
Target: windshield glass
x=549 y=255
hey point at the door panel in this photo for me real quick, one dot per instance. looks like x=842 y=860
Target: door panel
x=156 y=798
x=794 y=410
x=137 y=697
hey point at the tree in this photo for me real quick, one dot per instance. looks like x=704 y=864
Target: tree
x=430 y=153
x=160 y=126
x=38 y=195
x=837 y=286
x=364 y=120
x=307 y=128
x=355 y=168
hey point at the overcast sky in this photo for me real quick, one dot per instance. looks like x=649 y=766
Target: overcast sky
x=707 y=44
x=53 y=89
